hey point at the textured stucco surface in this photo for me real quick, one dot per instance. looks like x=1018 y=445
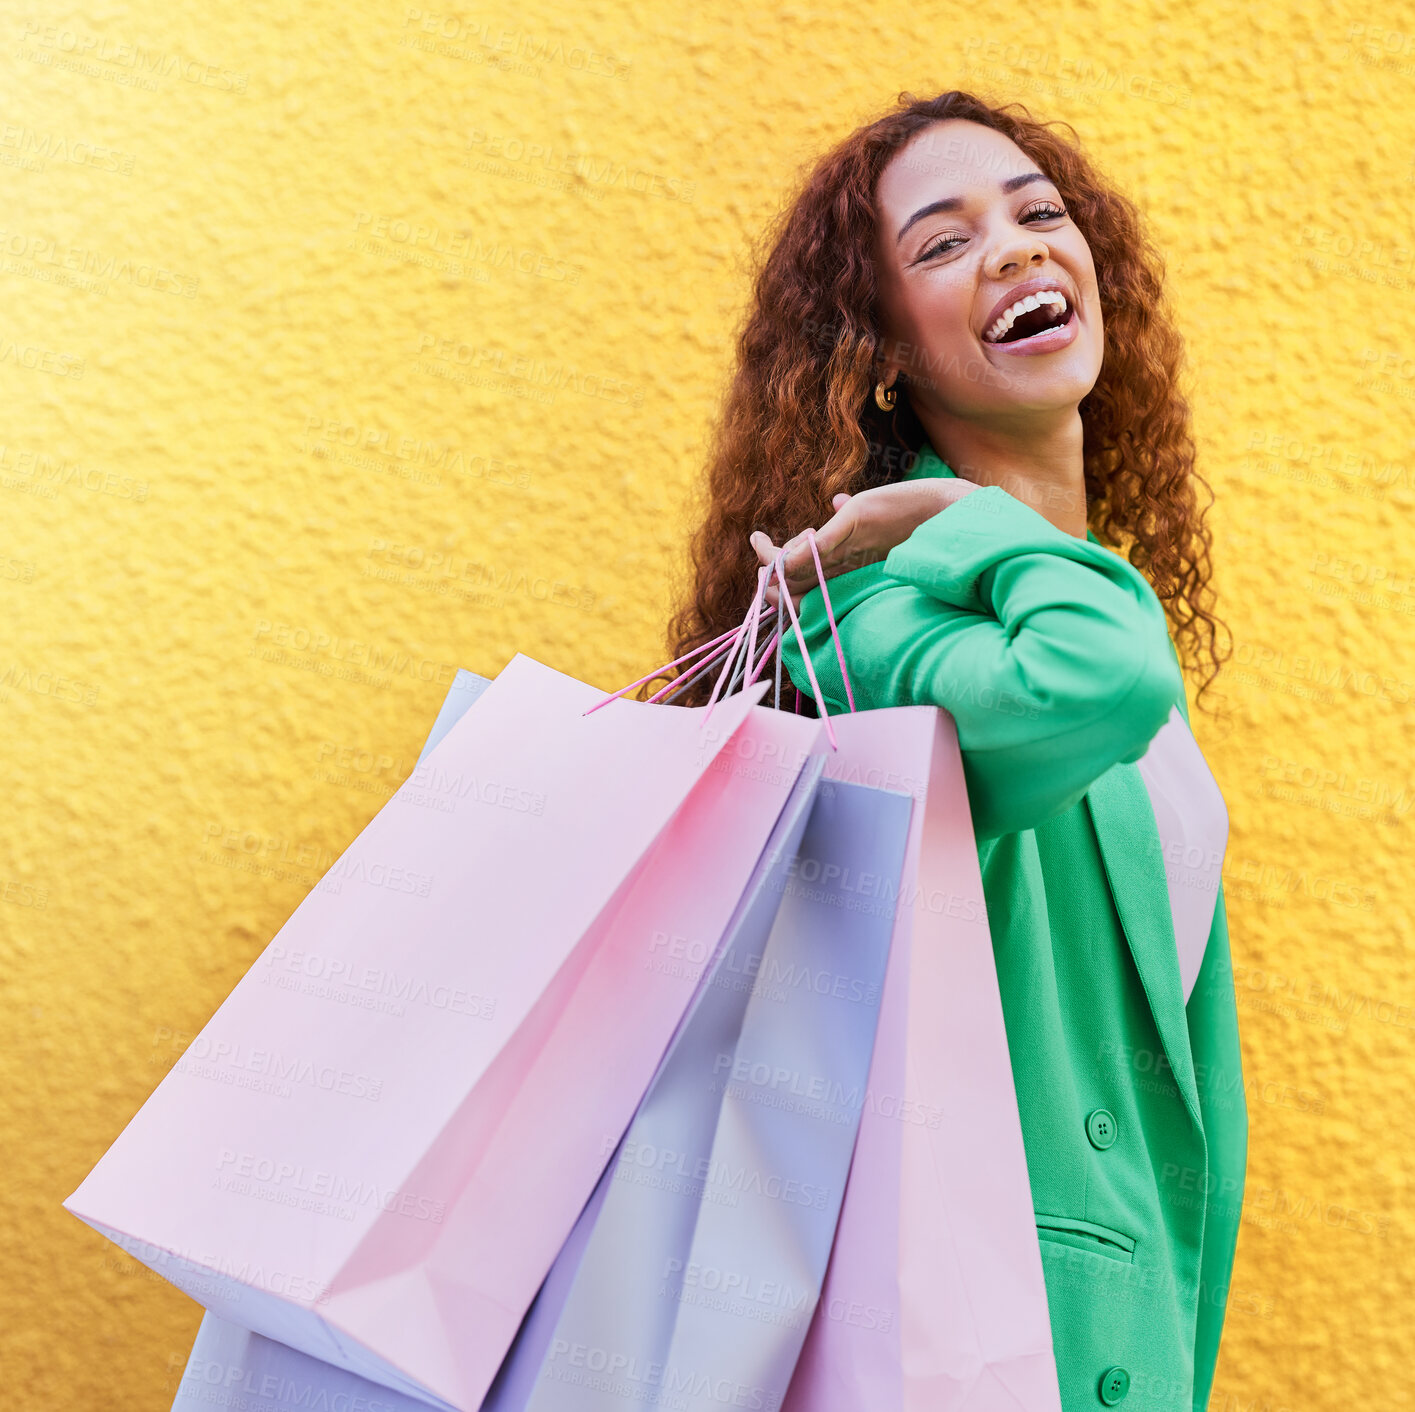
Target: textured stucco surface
x=260 y=262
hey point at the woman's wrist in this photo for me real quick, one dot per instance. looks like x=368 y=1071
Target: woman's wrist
x=946 y=492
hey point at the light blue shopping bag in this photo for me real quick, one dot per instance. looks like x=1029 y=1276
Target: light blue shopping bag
x=231 y=1369
x=465 y=689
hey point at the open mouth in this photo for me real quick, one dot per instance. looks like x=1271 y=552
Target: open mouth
x=1037 y=314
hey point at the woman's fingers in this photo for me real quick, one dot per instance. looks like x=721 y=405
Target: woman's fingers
x=797 y=563
x=766 y=552
x=835 y=545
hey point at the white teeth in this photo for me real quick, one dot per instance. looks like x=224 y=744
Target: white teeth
x=1010 y=315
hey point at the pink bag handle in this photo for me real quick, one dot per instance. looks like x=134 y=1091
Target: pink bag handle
x=728 y=647
x=830 y=617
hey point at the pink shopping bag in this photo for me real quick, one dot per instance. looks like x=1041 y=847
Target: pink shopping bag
x=934 y=1300
x=374 y=1149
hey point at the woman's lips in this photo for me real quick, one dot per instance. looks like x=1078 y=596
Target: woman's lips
x=1047 y=342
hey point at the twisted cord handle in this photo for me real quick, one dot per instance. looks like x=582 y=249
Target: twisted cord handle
x=728 y=648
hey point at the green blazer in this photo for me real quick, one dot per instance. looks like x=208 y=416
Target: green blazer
x=1053 y=657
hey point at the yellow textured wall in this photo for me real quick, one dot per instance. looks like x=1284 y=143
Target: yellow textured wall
x=345 y=345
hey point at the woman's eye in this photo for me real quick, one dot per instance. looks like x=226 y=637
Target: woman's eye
x=1045 y=211
x=941 y=246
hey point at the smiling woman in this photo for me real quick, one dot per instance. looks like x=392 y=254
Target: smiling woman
x=958 y=363
x=866 y=340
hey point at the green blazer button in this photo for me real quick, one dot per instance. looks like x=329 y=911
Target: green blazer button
x=1101 y=1129
x=1115 y=1382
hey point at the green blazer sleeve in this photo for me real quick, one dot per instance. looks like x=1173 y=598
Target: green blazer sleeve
x=1050 y=652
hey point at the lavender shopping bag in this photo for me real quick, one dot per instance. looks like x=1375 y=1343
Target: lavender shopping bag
x=231 y=1369
x=692 y=1274
x=375 y=1148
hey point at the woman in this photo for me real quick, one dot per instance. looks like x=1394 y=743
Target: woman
x=958 y=360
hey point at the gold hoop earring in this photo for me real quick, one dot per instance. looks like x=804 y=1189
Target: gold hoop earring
x=886 y=398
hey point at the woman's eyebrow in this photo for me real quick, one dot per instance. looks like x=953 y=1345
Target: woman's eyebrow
x=952 y=203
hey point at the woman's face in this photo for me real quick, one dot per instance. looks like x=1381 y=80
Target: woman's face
x=967 y=226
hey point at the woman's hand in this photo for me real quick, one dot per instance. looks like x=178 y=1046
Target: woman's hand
x=864 y=528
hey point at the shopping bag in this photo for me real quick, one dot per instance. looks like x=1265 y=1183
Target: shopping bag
x=467 y=688
x=691 y=1275
x=231 y=1369
x=1191 y=827
x=410 y=1128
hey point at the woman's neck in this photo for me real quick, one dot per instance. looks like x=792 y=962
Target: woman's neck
x=1040 y=465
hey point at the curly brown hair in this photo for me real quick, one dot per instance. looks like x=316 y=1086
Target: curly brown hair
x=799 y=422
